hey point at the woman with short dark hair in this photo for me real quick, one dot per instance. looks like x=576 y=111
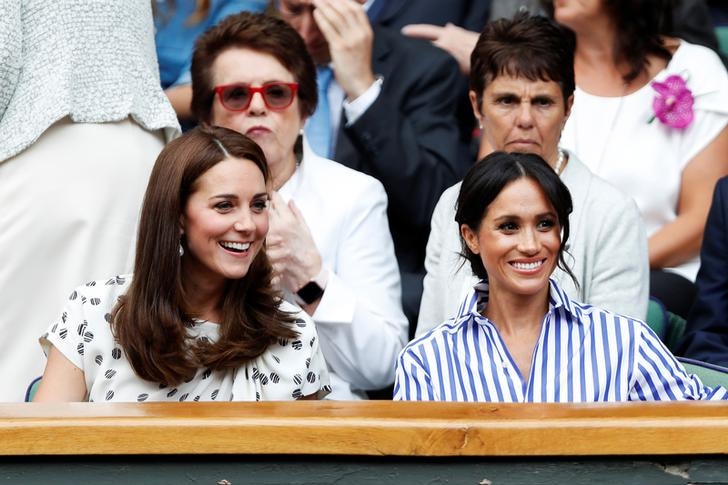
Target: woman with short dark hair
x=199 y=320
x=517 y=336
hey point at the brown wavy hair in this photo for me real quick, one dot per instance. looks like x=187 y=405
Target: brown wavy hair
x=150 y=321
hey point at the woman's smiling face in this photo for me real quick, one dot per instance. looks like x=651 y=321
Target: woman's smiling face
x=518 y=240
x=225 y=222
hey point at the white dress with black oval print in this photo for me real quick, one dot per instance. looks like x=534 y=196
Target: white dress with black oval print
x=288 y=370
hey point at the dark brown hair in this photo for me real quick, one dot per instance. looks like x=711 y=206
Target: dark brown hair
x=150 y=321
x=639 y=25
x=486 y=180
x=258 y=32
x=529 y=46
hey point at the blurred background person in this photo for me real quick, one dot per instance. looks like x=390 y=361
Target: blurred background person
x=178 y=24
x=199 y=320
x=650 y=115
x=82 y=118
x=518 y=337
x=522 y=85
x=386 y=108
x=329 y=240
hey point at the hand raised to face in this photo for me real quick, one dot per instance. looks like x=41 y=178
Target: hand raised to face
x=345 y=26
x=290 y=246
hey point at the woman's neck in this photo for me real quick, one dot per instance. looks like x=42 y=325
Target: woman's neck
x=282 y=170
x=204 y=299
x=512 y=314
x=595 y=68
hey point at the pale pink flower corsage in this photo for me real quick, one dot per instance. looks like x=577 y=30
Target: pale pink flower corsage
x=673 y=103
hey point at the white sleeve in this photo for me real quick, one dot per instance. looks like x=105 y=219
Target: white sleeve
x=354 y=109
x=359 y=318
x=432 y=305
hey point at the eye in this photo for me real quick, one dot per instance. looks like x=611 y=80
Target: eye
x=260 y=205
x=543 y=102
x=508 y=227
x=546 y=224
x=507 y=100
x=223 y=206
x=237 y=93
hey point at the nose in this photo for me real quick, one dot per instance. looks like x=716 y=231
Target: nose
x=244 y=222
x=257 y=105
x=528 y=243
x=525 y=118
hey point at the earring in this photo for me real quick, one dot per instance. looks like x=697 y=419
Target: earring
x=181 y=250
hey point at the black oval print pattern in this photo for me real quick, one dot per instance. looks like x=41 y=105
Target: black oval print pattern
x=280 y=376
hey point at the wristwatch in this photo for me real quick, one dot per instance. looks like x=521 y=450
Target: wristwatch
x=314 y=289
x=310 y=292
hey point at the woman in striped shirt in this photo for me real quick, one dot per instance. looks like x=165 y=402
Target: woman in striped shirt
x=518 y=337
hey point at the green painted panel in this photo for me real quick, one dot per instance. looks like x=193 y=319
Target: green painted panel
x=323 y=470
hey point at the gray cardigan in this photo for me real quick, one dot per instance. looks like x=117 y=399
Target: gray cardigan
x=608 y=248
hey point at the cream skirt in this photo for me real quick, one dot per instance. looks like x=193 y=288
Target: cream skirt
x=69 y=207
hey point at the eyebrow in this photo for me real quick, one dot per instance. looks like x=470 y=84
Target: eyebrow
x=233 y=196
x=515 y=217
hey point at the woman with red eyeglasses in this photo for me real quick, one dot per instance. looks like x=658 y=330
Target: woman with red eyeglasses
x=329 y=240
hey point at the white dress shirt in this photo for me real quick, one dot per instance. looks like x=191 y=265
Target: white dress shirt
x=359 y=318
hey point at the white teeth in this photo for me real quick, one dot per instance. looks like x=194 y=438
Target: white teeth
x=235 y=246
x=528 y=266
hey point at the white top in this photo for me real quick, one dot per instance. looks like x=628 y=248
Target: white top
x=607 y=242
x=612 y=136
x=92 y=60
x=287 y=370
x=582 y=354
x=359 y=318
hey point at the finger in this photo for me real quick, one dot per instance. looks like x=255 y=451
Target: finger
x=328 y=28
x=296 y=212
x=423 y=31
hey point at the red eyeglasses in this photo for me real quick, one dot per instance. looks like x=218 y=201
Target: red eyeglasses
x=237 y=97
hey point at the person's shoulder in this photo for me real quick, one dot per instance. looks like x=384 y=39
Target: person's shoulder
x=103 y=292
x=701 y=67
x=688 y=54
x=302 y=321
x=445 y=331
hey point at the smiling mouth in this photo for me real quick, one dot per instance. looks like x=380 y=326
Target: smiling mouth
x=533 y=265
x=235 y=247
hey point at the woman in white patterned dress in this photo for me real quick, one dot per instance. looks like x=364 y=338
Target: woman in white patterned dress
x=199 y=320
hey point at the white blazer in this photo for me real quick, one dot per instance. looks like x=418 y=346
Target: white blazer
x=359 y=318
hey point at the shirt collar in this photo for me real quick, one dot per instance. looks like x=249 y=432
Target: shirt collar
x=477 y=299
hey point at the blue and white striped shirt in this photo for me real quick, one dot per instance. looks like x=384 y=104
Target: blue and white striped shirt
x=583 y=354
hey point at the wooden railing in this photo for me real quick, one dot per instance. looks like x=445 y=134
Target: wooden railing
x=361 y=433
x=365 y=428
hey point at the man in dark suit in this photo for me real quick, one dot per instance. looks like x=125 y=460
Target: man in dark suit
x=398 y=119
x=706 y=336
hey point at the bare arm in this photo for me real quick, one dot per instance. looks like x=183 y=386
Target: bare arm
x=62 y=381
x=680 y=240
x=180 y=97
